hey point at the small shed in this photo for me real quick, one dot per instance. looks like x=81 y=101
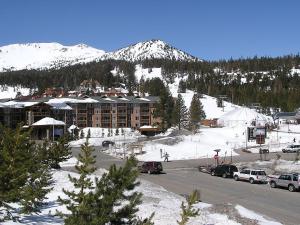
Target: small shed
x=47 y=128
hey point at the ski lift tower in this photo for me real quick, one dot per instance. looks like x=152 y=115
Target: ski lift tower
x=220 y=101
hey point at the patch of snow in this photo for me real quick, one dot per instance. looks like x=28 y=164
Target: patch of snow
x=8 y=92
x=252 y=215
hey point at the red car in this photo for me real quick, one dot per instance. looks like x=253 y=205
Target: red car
x=150 y=167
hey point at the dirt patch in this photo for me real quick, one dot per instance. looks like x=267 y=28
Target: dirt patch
x=232 y=214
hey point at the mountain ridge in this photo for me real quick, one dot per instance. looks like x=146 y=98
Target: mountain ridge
x=51 y=55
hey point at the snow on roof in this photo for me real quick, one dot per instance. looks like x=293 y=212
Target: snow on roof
x=19 y=104
x=62 y=106
x=71 y=100
x=144 y=99
x=73 y=127
x=147 y=126
x=47 y=121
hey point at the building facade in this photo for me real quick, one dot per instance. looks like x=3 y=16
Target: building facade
x=99 y=111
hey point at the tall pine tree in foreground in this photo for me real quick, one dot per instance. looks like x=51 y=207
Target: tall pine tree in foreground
x=196 y=113
x=24 y=178
x=180 y=113
x=108 y=200
x=80 y=201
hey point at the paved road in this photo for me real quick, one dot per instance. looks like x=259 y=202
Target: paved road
x=182 y=177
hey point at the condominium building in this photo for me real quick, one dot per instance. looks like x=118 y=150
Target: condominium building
x=98 y=111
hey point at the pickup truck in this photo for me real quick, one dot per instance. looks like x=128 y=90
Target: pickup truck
x=287 y=180
x=251 y=175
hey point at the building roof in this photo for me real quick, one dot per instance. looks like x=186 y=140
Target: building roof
x=61 y=103
x=48 y=121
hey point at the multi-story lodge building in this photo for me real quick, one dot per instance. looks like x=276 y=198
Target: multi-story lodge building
x=98 y=111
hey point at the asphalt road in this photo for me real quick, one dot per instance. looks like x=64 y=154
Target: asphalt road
x=182 y=177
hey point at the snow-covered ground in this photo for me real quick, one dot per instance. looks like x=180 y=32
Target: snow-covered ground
x=190 y=146
x=165 y=205
x=11 y=92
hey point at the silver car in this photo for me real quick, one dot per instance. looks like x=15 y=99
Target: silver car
x=287 y=180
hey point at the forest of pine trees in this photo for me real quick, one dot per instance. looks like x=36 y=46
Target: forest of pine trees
x=263 y=80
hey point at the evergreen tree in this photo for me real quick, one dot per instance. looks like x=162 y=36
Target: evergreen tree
x=112 y=200
x=89 y=133
x=196 y=113
x=58 y=152
x=116 y=202
x=181 y=87
x=180 y=113
x=80 y=203
x=164 y=108
x=187 y=211
x=23 y=176
x=81 y=134
x=117 y=132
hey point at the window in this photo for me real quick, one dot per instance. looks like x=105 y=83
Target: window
x=295 y=177
x=137 y=118
x=245 y=171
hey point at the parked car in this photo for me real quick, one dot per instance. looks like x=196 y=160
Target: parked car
x=291 y=148
x=150 y=167
x=107 y=143
x=251 y=175
x=224 y=170
x=287 y=180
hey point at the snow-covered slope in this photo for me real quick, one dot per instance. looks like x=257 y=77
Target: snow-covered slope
x=45 y=55
x=209 y=103
x=153 y=49
x=54 y=55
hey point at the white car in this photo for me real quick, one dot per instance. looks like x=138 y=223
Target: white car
x=291 y=148
x=251 y=175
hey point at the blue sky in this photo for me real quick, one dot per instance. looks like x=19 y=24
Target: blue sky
x=211 y=29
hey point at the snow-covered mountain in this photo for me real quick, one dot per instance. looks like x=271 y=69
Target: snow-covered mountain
x=153 y=49
x=45 y=55
x=54 y=55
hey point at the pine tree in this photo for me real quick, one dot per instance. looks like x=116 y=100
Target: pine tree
x=180 y=113
x=117 y=132
x=196 y=113
x=81 y=134
x=80 y=203
x=181 y=87
x=112 y=200
x=116 y=200
x=89 y=133
x=164 y=108
x=58 y=152
x=24 y=178
x=187 y=211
